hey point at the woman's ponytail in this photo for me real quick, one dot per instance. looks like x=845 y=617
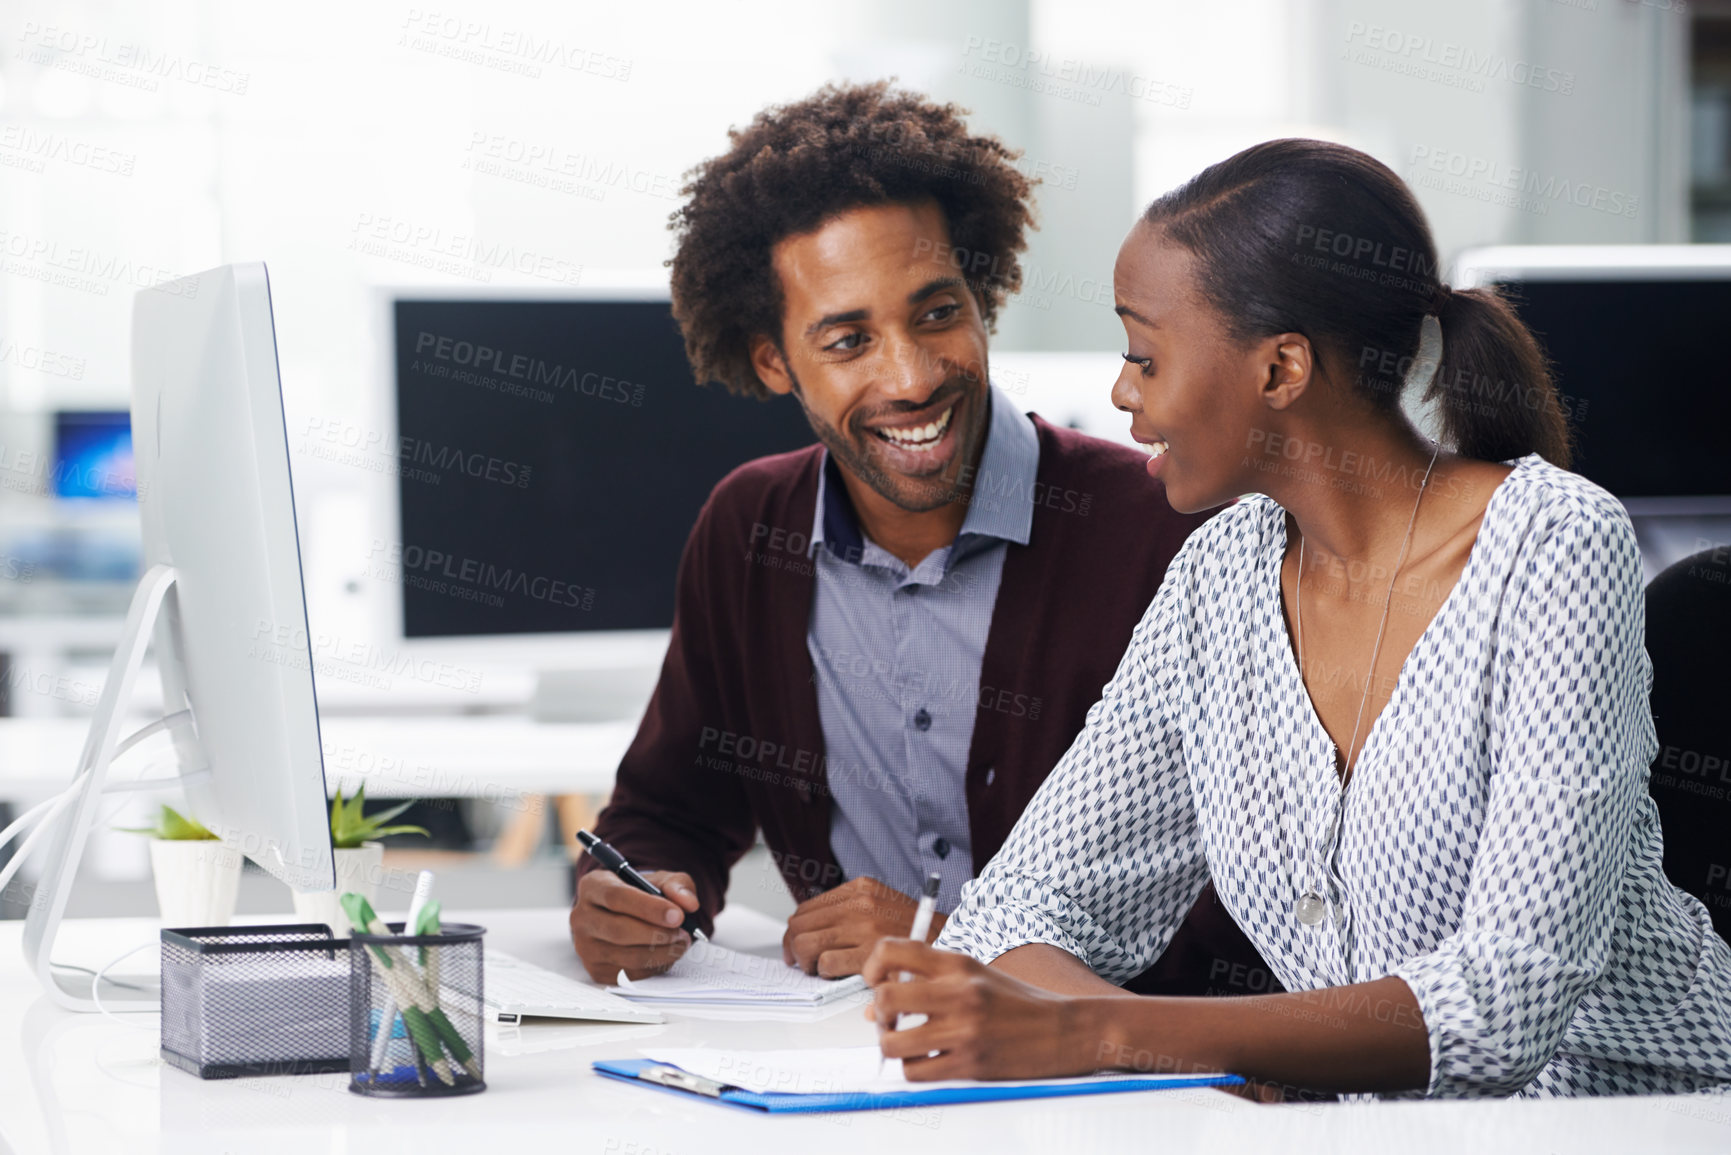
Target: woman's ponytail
x=1493 y=390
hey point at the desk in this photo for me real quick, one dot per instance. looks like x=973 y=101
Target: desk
x=497 y=757
x=81 y=1083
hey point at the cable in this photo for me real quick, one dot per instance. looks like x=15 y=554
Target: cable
x=96 y=983
x=28 y=818
x=143 y=783
x=35 y=814
x=132 y=740
x=54 y=805
x=46 y=823
x=11 y=868
x=25 y=819
x=113 y=982
x=167 y=721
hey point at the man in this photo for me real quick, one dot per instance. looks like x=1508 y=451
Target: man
x=884 y=643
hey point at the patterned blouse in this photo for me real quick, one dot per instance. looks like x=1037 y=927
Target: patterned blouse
x=1496 y=845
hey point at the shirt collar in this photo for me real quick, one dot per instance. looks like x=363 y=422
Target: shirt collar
x=1002 y=503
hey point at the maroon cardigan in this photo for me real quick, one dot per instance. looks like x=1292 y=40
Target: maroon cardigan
x=732 y=741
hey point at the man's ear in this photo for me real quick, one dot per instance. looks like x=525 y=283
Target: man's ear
x=771 y=367
x=1288 y=369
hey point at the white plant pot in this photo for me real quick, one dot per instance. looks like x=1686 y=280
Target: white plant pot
x=196 y=881
x=358 y=872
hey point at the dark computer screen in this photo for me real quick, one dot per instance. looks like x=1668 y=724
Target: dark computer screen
x=93 y=454
x=1642 y=371
x=552 y=457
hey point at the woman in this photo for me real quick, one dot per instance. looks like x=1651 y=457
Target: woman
x=1393 y=703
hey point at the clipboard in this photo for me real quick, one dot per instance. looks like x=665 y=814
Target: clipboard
x=666 y=1077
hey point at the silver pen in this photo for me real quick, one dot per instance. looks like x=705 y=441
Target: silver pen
x=922 y=927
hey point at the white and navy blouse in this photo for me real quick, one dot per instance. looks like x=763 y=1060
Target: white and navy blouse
x=1497 y=849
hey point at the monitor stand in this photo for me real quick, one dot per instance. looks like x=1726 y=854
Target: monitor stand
x=69 y=987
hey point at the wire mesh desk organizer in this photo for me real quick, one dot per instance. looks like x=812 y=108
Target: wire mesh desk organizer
x=416 y=1015
x=255 y=1000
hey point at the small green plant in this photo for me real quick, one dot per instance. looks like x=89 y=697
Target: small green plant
x=173 y=826
x=349 y=829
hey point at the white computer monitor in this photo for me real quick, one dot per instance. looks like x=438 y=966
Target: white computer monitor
x=221 y=599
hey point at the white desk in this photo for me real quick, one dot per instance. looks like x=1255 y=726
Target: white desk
x=80 y=1083
x=498 y=757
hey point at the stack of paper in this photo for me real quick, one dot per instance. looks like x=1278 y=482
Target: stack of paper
x=826 y=1071
x=848 y=1079
x=712 y=975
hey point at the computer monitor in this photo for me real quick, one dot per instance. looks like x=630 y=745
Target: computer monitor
x=221 y=598
x=93 y=454
x=551 y=455
x=1633 y=336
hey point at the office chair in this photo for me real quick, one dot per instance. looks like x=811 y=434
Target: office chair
x=1689 y=640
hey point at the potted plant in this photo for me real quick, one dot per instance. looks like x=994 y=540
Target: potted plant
x=197 y=877
x=360 y=859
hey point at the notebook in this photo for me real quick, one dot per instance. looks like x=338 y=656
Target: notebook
x=847 y=1079
x=712 y=975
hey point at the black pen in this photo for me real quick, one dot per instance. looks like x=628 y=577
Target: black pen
x=614 y=861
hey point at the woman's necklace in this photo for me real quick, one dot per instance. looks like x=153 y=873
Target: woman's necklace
x=1310 y=907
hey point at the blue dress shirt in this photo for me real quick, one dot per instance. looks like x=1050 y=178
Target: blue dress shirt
x=897 y=655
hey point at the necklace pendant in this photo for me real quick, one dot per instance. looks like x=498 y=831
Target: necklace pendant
x=1309 y=908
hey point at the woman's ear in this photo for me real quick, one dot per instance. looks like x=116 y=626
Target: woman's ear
x=771 y=366
x=1289 y=364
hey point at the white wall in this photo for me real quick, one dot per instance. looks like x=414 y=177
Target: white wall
x=355 y=144
x=342 y=118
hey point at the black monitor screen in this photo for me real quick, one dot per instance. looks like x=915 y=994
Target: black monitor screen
x=1643 y=376
x=552 y=458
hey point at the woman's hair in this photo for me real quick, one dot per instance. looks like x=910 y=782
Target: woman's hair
x=1305 y=236
x=797 y=166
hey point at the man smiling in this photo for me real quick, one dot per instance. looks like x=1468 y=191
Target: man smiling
x=882 y=644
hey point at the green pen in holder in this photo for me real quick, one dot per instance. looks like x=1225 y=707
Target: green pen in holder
x=424 y=990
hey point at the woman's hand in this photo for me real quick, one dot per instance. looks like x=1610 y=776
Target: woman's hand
x=984 y=1024
x=980 y=1023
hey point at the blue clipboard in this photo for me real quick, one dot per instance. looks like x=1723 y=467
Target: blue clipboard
x=640 y=1071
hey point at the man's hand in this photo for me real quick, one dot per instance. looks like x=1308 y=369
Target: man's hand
x=616 y=927
x=832 y=934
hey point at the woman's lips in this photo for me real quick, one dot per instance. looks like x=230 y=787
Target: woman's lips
x=1156 y=448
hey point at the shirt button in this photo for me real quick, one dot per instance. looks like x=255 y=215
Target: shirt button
x=991 y=774
x=941 y=848
x=922 y=721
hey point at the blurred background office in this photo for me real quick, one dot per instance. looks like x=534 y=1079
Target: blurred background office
x=388 y=158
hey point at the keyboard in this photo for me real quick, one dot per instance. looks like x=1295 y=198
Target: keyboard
x=517 y=990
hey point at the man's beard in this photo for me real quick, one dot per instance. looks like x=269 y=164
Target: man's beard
x=914 y=495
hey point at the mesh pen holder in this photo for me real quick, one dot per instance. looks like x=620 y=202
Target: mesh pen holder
x=423 y=995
